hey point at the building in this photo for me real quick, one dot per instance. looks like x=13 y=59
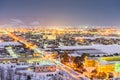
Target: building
x=91 y=63
x=49 y=37
x=45 y=68
x=106 y=68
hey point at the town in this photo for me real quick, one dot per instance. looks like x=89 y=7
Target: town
x=59 y=53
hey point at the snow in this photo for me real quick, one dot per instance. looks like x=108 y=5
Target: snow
x=2 y=44
x=13 y=74
x=92 y=38
x=109 y=49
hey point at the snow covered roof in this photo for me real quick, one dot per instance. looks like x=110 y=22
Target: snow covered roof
x=37 y=74
x=2 y=44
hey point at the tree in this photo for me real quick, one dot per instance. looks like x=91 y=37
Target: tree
x=111 y=75
x=78 y=62
x=9 y=73
x=2 y=70
x=66 y=57
x=101 y=75
x=80 y=65
x=84 y=55
x=28 y=77
x=116 y=54
x=93 y=73
x=77 y=59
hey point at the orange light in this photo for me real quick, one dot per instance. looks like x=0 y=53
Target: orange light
x=81 y=40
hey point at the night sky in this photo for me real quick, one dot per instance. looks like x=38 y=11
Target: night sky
x=62 y=12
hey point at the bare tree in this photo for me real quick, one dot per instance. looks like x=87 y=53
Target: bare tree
x=2 y=73
x=10 y=73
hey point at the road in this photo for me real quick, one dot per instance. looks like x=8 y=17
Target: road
x=75 y=75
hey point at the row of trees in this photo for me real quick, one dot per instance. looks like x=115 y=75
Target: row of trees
x=66 y=57
x=77 y=61
x=100 y=75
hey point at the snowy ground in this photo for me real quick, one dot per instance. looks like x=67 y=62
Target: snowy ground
x=109 y=49
x=9 y=71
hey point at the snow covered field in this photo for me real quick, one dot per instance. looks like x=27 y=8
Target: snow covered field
x=109 y=49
